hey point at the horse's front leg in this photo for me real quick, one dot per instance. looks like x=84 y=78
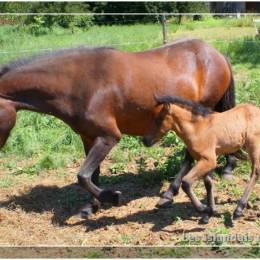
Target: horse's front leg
x=94 y=205
x=95 y=156
x=174 y=187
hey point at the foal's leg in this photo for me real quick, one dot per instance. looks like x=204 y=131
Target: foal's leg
x=173 y=190
x=255 y=158
x=200 y=170
x=210 y=193
x=210 y=197
x=243 y=201
x=96 y=155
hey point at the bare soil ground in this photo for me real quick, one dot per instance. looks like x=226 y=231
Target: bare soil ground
x=41 y=211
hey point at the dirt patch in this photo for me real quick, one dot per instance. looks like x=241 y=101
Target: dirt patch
x=41 y=211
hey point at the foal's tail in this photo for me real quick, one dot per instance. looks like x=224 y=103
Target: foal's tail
x=228 y=101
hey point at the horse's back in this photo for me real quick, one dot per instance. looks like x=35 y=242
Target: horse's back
x=189 y=68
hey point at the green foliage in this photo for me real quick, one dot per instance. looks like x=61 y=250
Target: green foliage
x=35 y=22
x=44 y=138
x=37 y=27
x=244 y=50
x=117 y=168
x=172 y=165
x=170 y=139
x=192 y=7
x=130 y=7
x=129 y=142
x=6 y=182
x=246 y=21
x=101 y=7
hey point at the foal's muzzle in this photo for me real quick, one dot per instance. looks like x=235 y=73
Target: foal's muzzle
x=148 y=141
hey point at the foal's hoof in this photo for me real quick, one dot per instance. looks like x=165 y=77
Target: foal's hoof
x=88 y=210
x=166 y=200
x=204 y=220
x=109 y=196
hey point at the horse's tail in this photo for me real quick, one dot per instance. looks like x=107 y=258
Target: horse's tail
x=228 y=100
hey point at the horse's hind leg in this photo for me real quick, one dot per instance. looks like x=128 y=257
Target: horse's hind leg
x=255 y=158
x=230 y=165
x=7 y=121
x=173 y=190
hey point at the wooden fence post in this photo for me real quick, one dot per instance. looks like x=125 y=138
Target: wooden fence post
x=164 y=29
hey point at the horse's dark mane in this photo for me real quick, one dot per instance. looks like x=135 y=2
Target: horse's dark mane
x=48 y=54
x=196 y=108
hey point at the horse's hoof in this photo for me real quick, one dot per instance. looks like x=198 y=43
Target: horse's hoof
x=203 y=209
x=228 y=177
x=164 y=203
x=109 y=196
x=117 y=198
x=237 y=214
x=227 y=174
x=88 y=210
x=204 y=220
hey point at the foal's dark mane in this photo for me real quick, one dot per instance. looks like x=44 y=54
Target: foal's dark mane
x=16 y=64
x=196 y=108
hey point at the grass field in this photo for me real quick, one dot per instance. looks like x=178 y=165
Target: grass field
x=41 y=158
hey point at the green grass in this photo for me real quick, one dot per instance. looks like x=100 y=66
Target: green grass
x=53 y=144
x=6 y=182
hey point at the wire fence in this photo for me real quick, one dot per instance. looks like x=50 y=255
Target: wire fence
x=50 y=49
x=131 y=14
x=156 y=43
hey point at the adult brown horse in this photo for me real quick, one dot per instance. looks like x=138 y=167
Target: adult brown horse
x=102 y=93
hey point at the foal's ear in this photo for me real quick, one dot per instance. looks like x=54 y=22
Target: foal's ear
x=166 y=107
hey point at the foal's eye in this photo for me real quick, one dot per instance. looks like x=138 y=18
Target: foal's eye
x=158 y=121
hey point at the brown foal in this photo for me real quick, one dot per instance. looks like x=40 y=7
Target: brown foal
x=207 y=135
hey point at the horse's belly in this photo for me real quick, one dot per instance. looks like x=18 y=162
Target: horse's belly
x=137 y=123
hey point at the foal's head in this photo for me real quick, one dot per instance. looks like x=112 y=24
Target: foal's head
x=167 y=116
x=162 y=124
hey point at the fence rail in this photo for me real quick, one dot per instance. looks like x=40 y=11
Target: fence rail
x=132 y=14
